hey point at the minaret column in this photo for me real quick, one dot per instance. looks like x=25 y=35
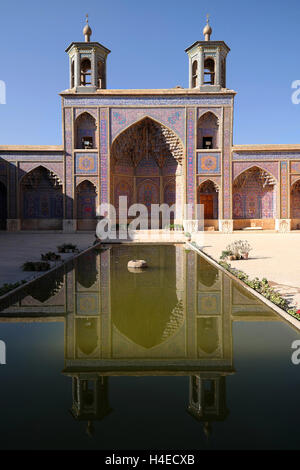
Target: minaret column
x=201 y=66
x=218 y=67
x=190 y=73
x=71 y=84
x=94 y=68
x=77 y=68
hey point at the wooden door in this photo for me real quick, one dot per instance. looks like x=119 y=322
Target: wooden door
x=207 y=200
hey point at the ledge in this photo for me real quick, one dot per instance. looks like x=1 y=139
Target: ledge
x=30 y=148
x=158 y=91
x=265 y=148
x=286 y=316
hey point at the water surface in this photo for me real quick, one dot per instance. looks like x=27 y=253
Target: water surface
x=175 y=357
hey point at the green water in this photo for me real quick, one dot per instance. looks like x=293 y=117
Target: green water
x=175 y=357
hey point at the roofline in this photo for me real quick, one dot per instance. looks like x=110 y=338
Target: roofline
x=158 y=92
x=29 y=148
x=86 y=44
x=208 y=43
x=265 y=148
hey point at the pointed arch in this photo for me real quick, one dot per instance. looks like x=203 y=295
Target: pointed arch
x=209 y=70
x=41 y=199
x=260 y=166
x=208 y=131
x=208 y=195
x=195 y=73
x=295 y=204
x=85 y=131
x=254 y=196
x=144 y=156
x=86 y=201
x=25 y=170
x=140 y=119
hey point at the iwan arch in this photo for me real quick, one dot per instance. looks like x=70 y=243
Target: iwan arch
x=153 y=146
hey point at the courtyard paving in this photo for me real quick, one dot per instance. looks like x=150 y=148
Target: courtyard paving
x=275 y=256
x=16 y=248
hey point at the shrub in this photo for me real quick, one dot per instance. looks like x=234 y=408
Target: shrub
x=7 y=287
x=225 y=254
x=50 y=256
x=66 y=246
x=36 y=266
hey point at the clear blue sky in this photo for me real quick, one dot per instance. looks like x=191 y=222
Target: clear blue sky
x=147 y=40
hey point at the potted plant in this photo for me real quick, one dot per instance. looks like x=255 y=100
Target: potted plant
x=245 y=249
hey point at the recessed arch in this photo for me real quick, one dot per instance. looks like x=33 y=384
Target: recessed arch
x=194 y=73
x=85 y=72
x=209 y=71
x=208 y=196
x=254 y=198
x=145 y=156
x=140 y=119
x=208 y=131
x=86 y=199
x=41 y=200
x=256 y=165
x=295 y=205
x=47 y=167
x=85 y=131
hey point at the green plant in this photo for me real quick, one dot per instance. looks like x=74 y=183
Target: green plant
x=7 y=287
x=262 y=286
x=66 y=246
x=50 y=256
x=187 y=234
x=239 y=249
x=36 y=266
x=225 y=254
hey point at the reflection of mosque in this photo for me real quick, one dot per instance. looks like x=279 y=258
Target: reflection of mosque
x=173 y=319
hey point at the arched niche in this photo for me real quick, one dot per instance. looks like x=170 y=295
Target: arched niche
x=86 y=200
x=146 y=165
x=208 y=196
x=254 y=199
x=208 y=131
x=295 y=205
x=85 y=132
x=41 y=200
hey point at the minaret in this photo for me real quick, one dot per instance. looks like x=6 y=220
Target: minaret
x=207 y=398
x=207 y=63
x=87 y=63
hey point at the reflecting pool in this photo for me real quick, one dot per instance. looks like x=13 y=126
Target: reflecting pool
x=175 y=357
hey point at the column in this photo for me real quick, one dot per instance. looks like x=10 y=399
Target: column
x=77 y=68
x=218 y=68
x=201 y=66
x=94 y=69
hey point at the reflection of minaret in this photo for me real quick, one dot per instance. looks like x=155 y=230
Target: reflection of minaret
x=207 y=399
x=90 y=399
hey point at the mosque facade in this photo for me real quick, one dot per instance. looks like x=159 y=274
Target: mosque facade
x=172 y=146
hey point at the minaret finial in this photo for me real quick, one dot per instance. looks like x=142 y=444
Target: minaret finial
x=207 y=30
x=87 y=32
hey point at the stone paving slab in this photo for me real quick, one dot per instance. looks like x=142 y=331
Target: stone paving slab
x=16 y=248
x=275 y=256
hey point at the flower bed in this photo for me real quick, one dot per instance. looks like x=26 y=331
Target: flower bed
x=261 y=286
